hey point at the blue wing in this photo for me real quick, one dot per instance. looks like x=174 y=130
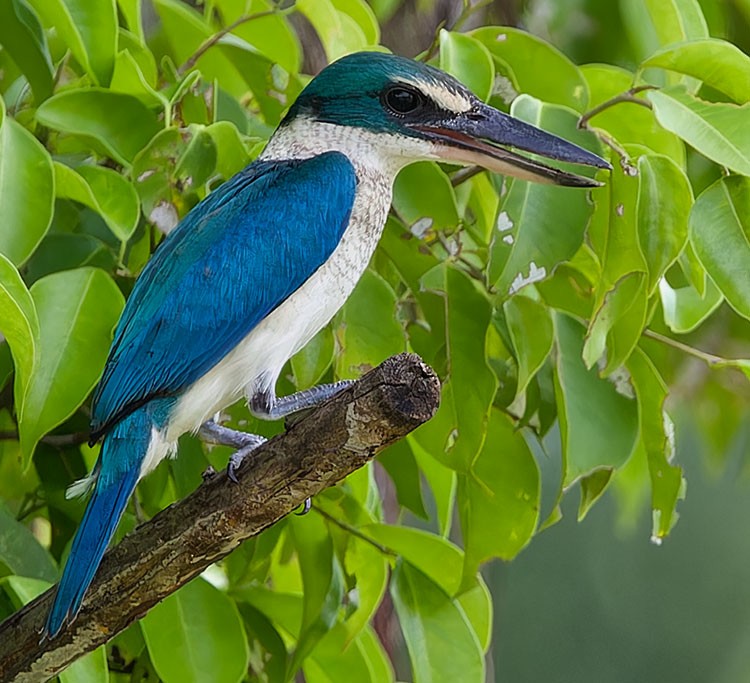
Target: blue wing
x=233 y=259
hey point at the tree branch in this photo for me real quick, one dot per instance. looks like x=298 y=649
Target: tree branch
x=180 y=542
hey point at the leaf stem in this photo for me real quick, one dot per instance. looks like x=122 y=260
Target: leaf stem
x=354 y=532
x=627 y=96
x=212 y=40
x=709 y=358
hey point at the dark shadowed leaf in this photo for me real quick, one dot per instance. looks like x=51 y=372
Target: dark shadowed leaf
x=22 y=36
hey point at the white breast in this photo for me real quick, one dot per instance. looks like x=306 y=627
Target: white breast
x=256 y=362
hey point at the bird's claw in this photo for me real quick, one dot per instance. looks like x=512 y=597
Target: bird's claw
x=306 y=507
x=236 y=459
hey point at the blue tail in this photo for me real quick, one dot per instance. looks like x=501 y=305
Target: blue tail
x=122 y=454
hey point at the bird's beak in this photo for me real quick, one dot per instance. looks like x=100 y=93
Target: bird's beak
x=482 y=135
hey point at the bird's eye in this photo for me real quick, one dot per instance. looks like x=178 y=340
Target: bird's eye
x=402 y=100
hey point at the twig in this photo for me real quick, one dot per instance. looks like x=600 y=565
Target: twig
x=210 y=42
x=627 y=96
x=709 y=358
x=354 y=532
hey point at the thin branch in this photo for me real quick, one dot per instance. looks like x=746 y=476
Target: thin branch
x=210 y=42
x=464 y=174
x=627 y=96
x=354 y=532
x=709 y=358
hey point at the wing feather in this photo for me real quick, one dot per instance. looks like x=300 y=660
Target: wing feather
x=233 y=259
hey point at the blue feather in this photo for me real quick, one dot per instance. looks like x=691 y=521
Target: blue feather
x=234 y=258
x=118 y=468
x=231 y=261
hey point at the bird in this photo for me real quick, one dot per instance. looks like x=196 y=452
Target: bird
x=264 y=262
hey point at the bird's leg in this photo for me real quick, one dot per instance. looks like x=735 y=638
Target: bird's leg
x=268 y=407
x=245 y=443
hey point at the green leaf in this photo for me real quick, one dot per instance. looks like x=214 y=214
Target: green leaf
x=664 y=201
x=196 y=635
x=19 y=325
x=103 y=190
x=442 y=644
x=322 y=583
x=360 y=13
x=26 y=190
x=442 y=482
x=129 y=78
x=21 y=553
x=267 y=650
x=627 y=123
x=593 y=487
x=716 y=62
x=231 y=155
x=335 y=660
x=477 y=605
x=311 y=362
x=720 y=234
x=370 y=568
x=539 y=226
x=77 y=309
x=120 y=123
x=198 y=161
x=620 y=317
x=456 y=434
x=532 y=334
x=271 y=35
x=499 y=498
x=399 y=461
x=598 y=417
x=423 y=195
x=654 y=23
x=367 y=329
x=684 y=308
x=469 y=61
x=539 y=69
x=433 y=555
x=717 y=130
x=22 y=36
x=89 y=29
x=339 y=33
x=657 y=436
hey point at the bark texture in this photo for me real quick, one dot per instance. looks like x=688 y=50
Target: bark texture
x=181 y=541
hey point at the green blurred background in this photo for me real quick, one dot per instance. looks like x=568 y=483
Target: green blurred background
x=595 y=601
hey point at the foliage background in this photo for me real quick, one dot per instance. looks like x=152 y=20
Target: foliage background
x=117 y=118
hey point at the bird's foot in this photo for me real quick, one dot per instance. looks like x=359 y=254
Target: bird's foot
x=306 y=507
x=236 y=459
x=245 y=443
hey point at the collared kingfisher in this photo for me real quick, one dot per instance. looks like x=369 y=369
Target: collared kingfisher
x=265 y=261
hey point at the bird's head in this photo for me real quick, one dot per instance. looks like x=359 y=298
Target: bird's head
x=411 y=111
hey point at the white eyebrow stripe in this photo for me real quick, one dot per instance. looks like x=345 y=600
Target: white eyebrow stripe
x=443 y=97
